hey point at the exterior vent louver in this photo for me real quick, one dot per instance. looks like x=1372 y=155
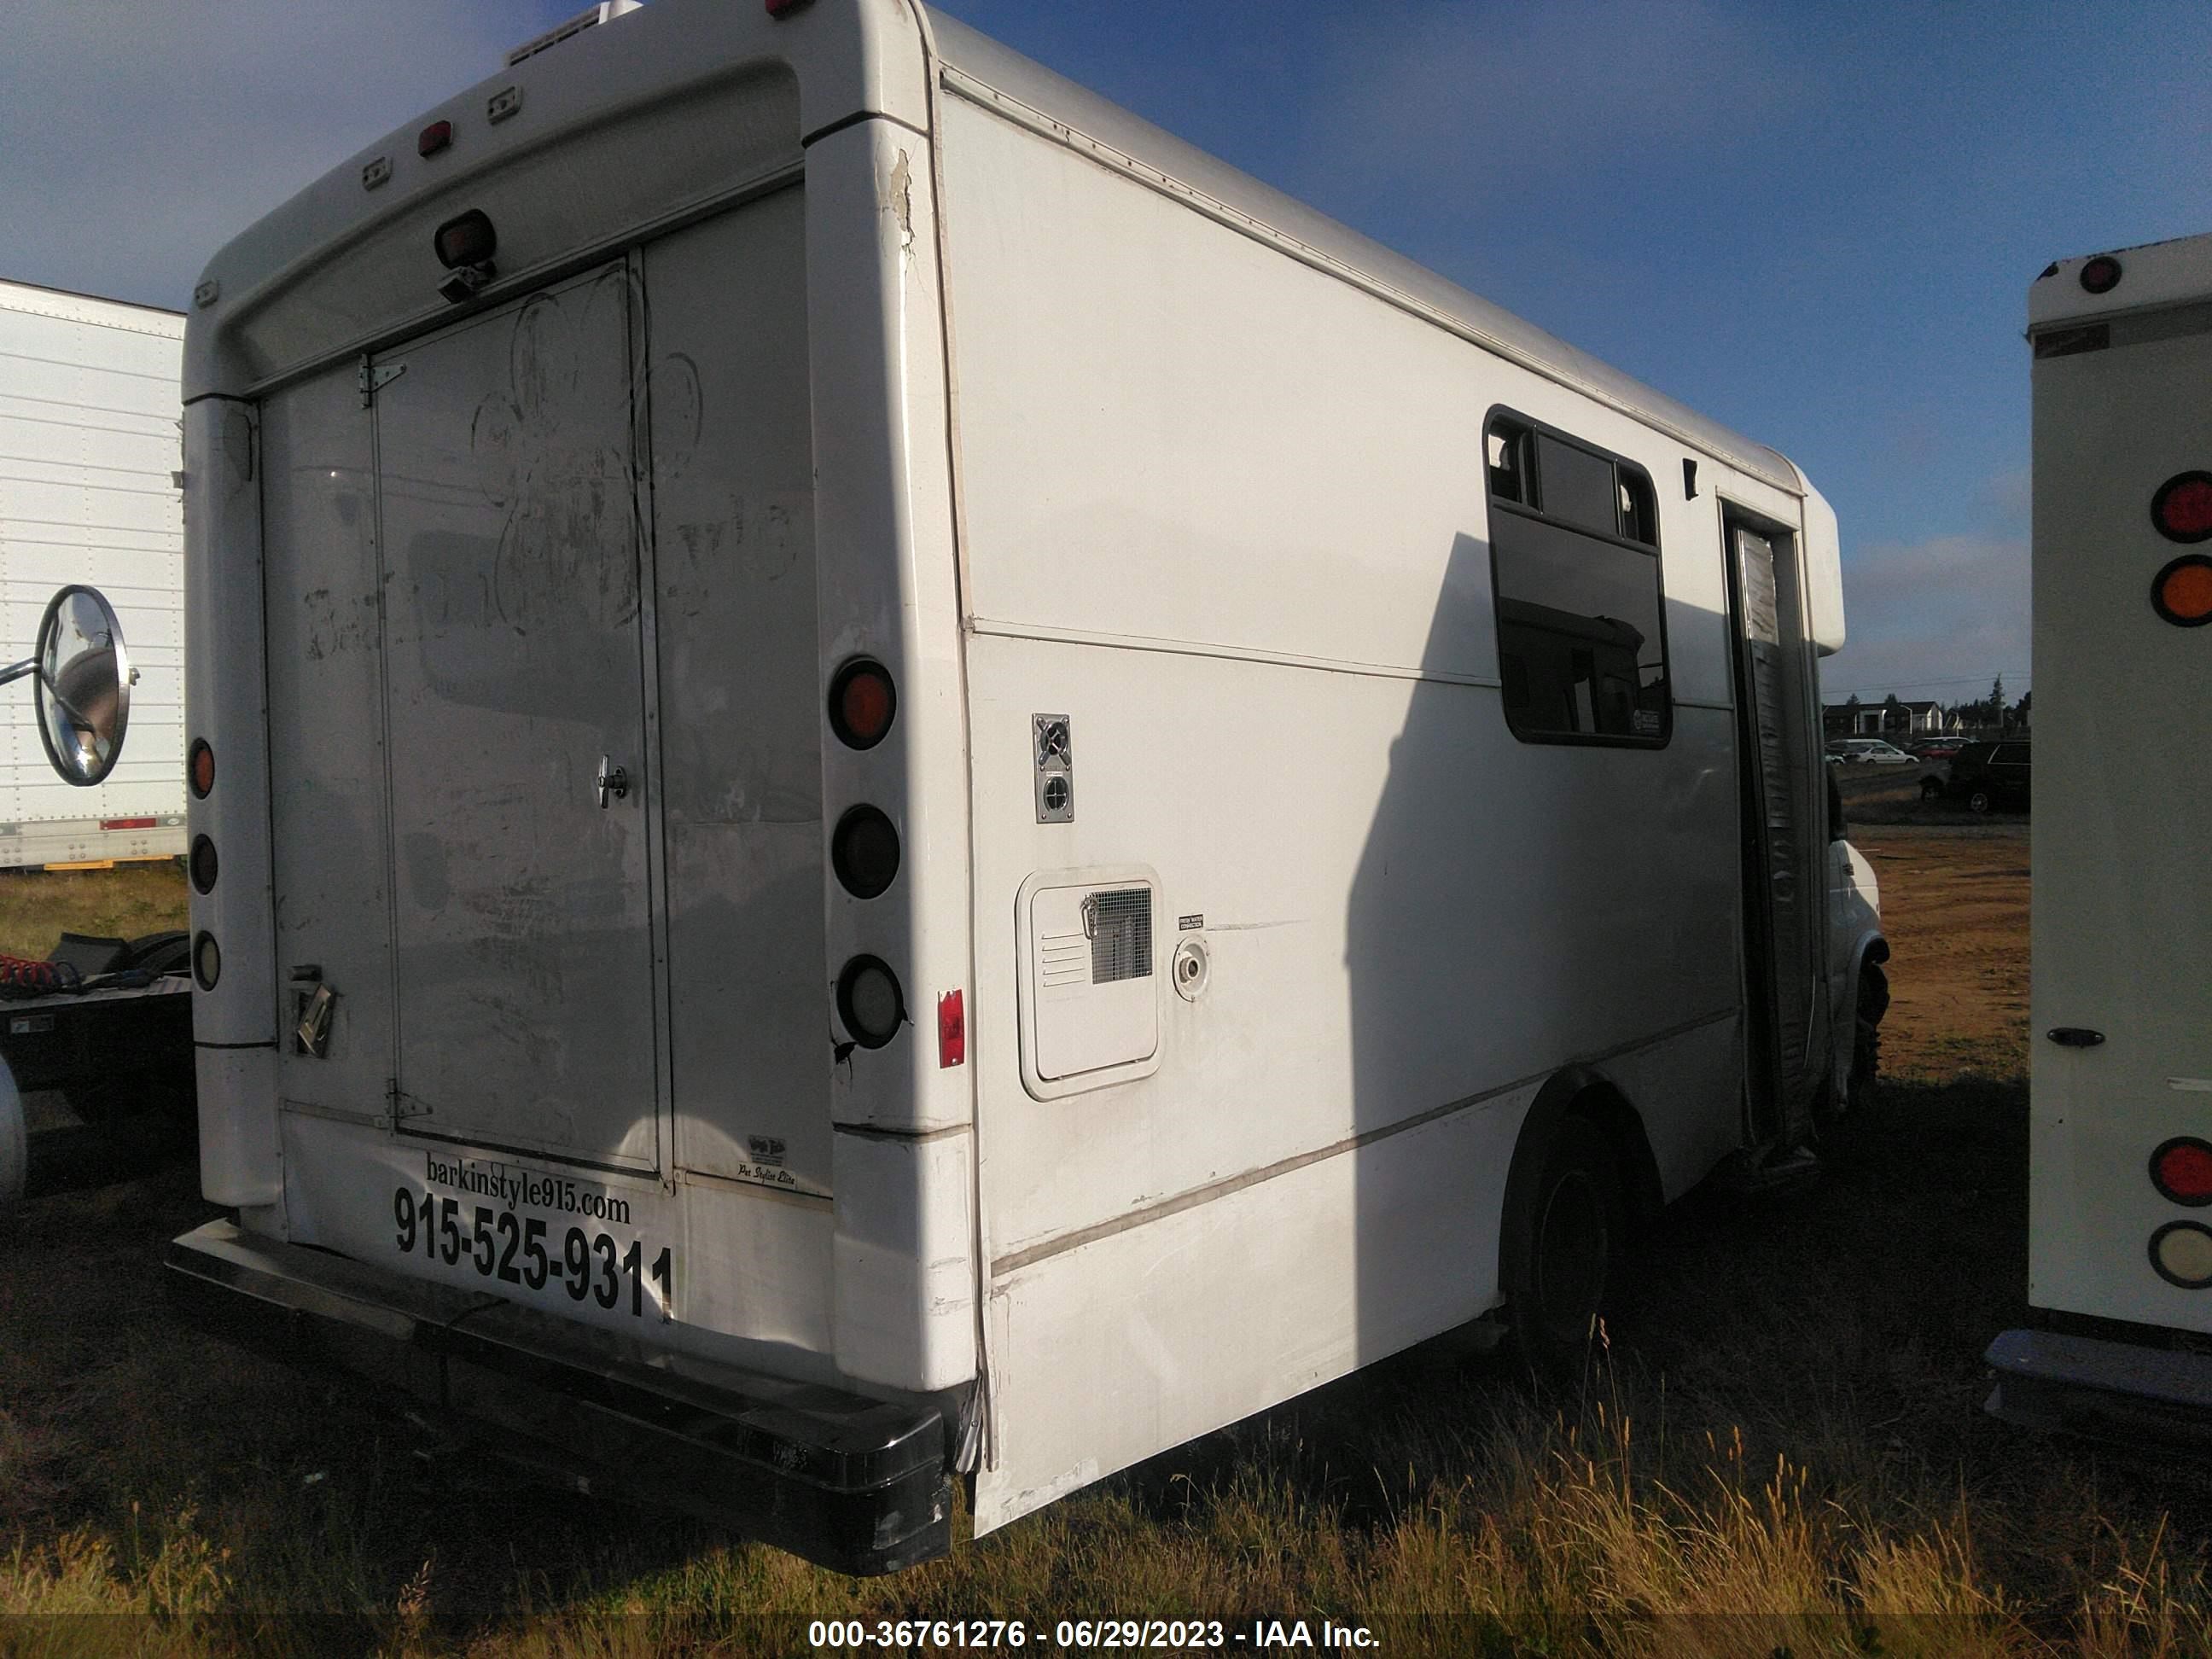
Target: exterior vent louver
x=1120 y=925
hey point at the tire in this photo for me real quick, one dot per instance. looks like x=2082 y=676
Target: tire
x=1866 y=1040
x=1562 y=1248
x=1981 y=801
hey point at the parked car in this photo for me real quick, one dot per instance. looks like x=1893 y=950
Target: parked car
x=1867 y=751
x=1935 y=749
x=1984 y=776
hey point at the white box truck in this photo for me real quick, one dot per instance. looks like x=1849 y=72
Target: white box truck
x=2120 y=1083
x=905 y=784
x=89 y=416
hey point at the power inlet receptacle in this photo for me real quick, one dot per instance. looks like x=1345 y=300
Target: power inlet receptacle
x=1051 y=750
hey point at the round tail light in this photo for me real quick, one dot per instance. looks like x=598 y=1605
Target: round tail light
x=2182 y=509
x=207 y=961
x=200 y=771
x=2181 y=1251
x=862 y=703
x=865 y=852
x=2181 y=1169
x=870 y=1002
x=2182 y=592
x=203 y=863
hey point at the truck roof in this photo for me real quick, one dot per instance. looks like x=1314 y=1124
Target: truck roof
x=859 y=58
x=2152 y=275
x=71 y=307
x=967 y=54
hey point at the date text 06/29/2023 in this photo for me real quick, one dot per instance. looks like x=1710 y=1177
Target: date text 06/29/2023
x=1175 y=1635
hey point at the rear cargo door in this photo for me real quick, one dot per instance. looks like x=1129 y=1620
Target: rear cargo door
x=517 y=722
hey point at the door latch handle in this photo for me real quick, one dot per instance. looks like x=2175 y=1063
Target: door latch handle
x=613 y=781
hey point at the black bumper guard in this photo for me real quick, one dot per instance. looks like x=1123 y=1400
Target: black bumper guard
x=858 y=1485
x=2093 y=1386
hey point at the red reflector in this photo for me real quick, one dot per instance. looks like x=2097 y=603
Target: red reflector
x=2182 y=509
x=2181 y=1169
x=951 y=1030
x=433 y=137
x=126 y=824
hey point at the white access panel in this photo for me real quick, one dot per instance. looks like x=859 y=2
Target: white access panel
x=1091 y=1011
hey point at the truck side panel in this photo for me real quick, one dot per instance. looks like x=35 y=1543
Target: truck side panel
x=1228 y=516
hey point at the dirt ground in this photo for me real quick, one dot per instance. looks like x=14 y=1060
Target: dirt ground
x=1954 y=906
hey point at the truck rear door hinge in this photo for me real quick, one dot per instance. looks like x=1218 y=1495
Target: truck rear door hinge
x=374 y=376
x=399 y=1106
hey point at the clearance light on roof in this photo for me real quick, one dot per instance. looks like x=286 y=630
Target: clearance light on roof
x=434 y=137
x=2101 y=274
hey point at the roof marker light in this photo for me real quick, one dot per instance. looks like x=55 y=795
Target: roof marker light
x=2101 y=274
x=434 y=137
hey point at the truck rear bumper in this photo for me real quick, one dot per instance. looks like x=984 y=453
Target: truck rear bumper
x=858 y=1485
x=2091 y=1385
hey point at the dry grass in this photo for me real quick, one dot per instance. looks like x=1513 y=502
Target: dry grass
x=36 y=906
x=1783 y=1450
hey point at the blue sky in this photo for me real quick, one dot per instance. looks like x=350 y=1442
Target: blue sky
x=1817 y=224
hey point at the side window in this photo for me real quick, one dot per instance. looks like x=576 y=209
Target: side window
x=1574 y=536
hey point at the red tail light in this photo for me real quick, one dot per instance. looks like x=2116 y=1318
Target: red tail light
x=862 y=703
x=2181 y=1169
x=2182 y=509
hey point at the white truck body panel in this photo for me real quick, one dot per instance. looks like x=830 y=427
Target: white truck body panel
x=2123 y=917
x=89 y=443
x=852 y=335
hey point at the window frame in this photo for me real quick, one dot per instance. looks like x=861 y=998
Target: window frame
x=1530 y=470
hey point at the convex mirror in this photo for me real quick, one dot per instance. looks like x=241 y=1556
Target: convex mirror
x=79 y=683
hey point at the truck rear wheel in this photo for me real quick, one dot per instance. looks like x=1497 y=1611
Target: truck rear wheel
x=1561 y=1248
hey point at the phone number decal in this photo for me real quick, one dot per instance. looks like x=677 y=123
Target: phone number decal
x=520 y=1250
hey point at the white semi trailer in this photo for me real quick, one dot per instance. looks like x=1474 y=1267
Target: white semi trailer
x=900 y=782
x=89 y=413
x=2120 y=1090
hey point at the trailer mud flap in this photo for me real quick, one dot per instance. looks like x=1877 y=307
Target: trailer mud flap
x=857 y=1485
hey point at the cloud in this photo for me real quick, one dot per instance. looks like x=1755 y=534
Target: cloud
x=141 y=135
x=1938 y=618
